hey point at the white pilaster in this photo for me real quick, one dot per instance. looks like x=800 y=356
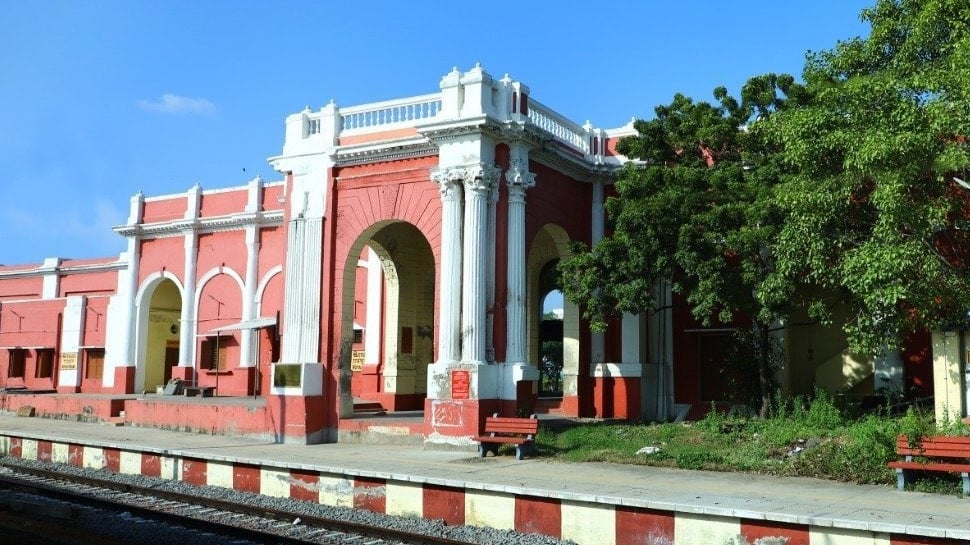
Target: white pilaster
x=121 y=316
x=72 y=332
x=308 y=156
x=888 y=374
x=247 y=344
x=632 y=338
x=519 y=179
x=52 y=279
x=375 y=289
x=188 y=315
x=478 y=187
x=301 y=314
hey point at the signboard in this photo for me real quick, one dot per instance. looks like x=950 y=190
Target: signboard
x=68 y=361
x=460 y=383
x=287 y=375
x=357 y=360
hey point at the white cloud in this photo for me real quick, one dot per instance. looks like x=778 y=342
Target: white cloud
x=175 y=104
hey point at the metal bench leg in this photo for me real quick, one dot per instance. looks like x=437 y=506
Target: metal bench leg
x=966 y=483
x=901 y=479
x=518 y=452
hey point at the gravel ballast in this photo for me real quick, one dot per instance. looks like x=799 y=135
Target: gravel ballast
x=471 y=534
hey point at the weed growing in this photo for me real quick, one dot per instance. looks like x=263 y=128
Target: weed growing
x=801 y=437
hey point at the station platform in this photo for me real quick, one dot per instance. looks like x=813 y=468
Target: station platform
x=589 y=503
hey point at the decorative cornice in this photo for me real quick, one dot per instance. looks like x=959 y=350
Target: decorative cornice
x=116 y=265
x=232 y=222
x=385 y=151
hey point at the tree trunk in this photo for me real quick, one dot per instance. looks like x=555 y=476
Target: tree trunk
x=763 y=333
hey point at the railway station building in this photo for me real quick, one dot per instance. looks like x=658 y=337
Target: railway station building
x=390 y=283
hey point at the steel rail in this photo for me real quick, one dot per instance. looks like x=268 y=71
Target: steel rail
x=339 y=530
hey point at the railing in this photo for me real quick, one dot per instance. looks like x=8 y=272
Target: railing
x=558 y=126
x=389 y=114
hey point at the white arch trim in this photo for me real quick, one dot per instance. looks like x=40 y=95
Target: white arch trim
x=261 y=287
x=152 y=280
x=209 y=275
x=142 y=304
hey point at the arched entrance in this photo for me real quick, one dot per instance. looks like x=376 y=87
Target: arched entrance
x=160 y=320
x=550 y=244
x=550 y=334
x=387 y=319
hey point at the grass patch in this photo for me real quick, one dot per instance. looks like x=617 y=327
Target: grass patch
x=801 y=438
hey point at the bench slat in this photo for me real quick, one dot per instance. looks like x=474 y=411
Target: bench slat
x=942 y=440
x=956 y=468
x=937 y=447
x=934 y=453
x=510 y=429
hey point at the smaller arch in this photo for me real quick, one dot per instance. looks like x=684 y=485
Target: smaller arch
x=209 y=275
x=261 y=287
x=153 y=280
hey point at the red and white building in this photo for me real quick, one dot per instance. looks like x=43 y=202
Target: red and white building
x=402 y=260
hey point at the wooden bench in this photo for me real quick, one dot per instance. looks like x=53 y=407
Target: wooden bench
x=204 y=391
x=939 y=453
x=503 y=430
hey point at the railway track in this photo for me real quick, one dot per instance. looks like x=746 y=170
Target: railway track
x=242 y=523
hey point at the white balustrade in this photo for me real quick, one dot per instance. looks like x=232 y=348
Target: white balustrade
x=558 y=126
x=389 y=114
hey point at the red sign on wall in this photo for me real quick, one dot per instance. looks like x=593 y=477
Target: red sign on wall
x=459 y=384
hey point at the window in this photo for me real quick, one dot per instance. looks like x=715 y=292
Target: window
x=17 y=363
x=45 y=363
x=94 y=366
x=214 y=353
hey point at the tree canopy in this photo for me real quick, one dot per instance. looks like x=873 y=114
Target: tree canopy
x=696 y=207
x=852 y=181
x=872 y=210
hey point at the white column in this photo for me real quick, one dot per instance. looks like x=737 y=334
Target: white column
x=478 y=186
x=126 y=344
x=449 y=328
x=247 y=346
x=596 y=342
x=519 y=180
x=187 y=331
x=187 y=319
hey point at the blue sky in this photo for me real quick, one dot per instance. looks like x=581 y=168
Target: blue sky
x=100 y=99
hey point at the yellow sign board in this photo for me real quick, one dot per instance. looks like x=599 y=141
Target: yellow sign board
x=357 y=360
x=68 y=361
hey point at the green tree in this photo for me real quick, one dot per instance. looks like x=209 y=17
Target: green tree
x=873 y=209
x=695 y=206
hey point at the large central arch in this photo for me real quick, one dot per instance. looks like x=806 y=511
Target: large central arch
x=405 y=324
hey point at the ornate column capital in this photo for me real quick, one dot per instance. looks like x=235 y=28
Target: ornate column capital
x=481 y=177
x=519 y=179
x=478 y=177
